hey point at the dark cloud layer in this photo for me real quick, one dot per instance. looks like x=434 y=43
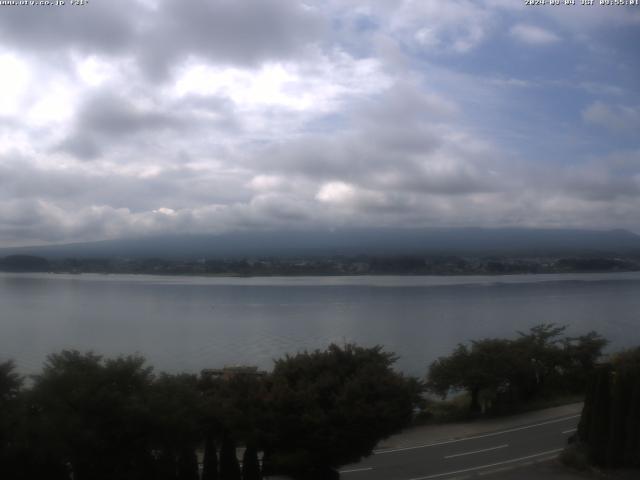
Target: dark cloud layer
x=161 y=35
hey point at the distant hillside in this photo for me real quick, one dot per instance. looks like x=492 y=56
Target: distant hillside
x=463 y=241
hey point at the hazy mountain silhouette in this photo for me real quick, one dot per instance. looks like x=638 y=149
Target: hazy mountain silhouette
x=460 y=241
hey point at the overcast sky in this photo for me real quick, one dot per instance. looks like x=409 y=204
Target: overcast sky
x=123 y=118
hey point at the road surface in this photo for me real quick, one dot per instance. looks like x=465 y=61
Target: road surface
x=469 y=456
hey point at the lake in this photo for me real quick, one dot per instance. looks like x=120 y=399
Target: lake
x=190 y=323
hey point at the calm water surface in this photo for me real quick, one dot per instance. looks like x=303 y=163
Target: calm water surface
x=190 y=323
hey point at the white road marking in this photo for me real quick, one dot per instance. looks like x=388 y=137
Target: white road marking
x=477 y=451
x=571 y=430
x=493 y=434
x=437 y=475
x=353 y=470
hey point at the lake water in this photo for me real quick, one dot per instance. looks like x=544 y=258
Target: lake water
x=190 y=323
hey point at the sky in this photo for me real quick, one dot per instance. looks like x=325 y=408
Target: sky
x=128 y=118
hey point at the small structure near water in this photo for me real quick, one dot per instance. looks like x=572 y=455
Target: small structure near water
x=233 y=371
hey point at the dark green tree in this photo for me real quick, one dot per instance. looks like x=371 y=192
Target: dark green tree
x=175 y=407
x=485 y=367
x=229 y=467
x=236 y=405
x=609 y=428
x=10 y=382
x=250 y=464
x=332 y=407
x=10 y=389
x=541 y=356
x=580 y=357
x=627 y=404
x=91 y=414
x=594 y=423
x=210 y=460
x=187 y=464
x=631 y=455
x=507 y=372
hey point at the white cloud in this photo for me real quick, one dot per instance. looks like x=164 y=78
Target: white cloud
x=454 y=26
x=317 y=84
x=14 y=83
x=533 y=35
x=336 y=192
x=615 y=118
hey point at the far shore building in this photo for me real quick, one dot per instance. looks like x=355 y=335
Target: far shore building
x=234 y=371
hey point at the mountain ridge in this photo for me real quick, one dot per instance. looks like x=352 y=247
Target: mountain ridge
x=365 y=241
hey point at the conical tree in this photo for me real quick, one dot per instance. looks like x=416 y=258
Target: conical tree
x=267 y=464
x=597 y=430
x=250 y=464
x=632 y=443
x=620 y=405
x=188 y=465
x=166 y=467
x=229 y=467
x=210 y=461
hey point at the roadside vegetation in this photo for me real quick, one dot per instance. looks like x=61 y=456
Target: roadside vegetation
x=609 y=431
x=539 y=368
x=88 y=417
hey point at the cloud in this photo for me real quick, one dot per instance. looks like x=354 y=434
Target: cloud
x=106 y=27
x=229 y=32
x=615 y=118
x=140 y=117
x=161 y=35
x=533 y=35
x=104 y=120
x=456 y=26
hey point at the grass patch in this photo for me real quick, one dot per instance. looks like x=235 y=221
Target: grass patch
x=456 y=409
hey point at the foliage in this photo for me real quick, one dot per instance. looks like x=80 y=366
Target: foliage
x=229 y=466
x=89 y=417
x=187 y=464
x=332 y=407
x=250 y=464
x=236 y=405
x=210 y=460
x=502 y=373
x=92 y=414
x=609 y=428
x=10 y=384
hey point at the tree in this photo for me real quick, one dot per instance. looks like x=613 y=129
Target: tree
x=486 y=366
x=187 y=464
x=609 y=428
x=210 y=460
x=10 y=388
x=175 y=408
x=541 y=356
x=91 y=414
x=505 y=372
x=250 y=464
x=581 y=355
x=10 y=382
x=229 y=467
x=237 y=405
x=332 y=407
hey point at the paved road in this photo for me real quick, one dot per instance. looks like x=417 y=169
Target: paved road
x=469 y=456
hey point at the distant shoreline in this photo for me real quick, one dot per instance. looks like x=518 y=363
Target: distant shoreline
x=382 y=281
x=359 y=265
